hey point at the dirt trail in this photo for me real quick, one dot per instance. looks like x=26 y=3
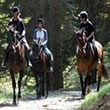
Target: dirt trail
x=58 y=100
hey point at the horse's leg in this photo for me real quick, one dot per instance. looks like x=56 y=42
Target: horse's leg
x=37 y=83
x=88 y=83
x=99 y=80
x=39 y=92
x=19 y=84
x=82 y=86
x=14 y=87
x=99 y=76
x=45 y=85
x=100 y=69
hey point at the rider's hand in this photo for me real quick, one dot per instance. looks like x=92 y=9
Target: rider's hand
x=42 y=46
x=87 y=39
x=16 y=32
x=21 y=38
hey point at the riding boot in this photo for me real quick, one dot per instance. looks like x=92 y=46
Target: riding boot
x=98 y=59
x=28 y=58
x=5 y=59
x=50 y=64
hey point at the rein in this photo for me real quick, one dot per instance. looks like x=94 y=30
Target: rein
x=19 y=43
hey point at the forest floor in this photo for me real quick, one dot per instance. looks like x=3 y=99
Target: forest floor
x=57 y=100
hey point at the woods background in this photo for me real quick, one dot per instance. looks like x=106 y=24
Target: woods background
x=61 y=22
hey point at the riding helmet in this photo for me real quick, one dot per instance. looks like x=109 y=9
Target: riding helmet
x=40 y=20
x=16 y=9
x=83 y=14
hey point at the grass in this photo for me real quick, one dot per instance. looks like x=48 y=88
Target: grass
x=93 y=97
x=6 y=88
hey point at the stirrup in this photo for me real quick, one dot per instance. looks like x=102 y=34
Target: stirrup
x=99 y=62
x=51 y=69
x=29 y=64
x=3 y=64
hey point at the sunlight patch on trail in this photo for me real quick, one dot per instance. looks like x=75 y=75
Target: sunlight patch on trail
x=57 y=100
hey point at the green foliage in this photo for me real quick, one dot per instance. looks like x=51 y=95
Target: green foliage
x=93 y=97
x=28 y=87
x=70 y=75
x=107 y=55
x=61 y=21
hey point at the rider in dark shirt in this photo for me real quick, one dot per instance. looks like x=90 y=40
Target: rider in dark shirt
x=86 y=25
x=16 y=26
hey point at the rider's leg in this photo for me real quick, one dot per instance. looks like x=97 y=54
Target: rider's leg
x=27 y=52
x=48 y=52
x=5 y=58
x=94 y=45
x=9 y=39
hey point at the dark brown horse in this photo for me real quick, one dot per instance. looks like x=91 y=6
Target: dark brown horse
x=87 y=59
x=40 y=69
x=16 y=64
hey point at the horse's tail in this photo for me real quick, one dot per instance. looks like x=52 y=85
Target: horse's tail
x=105 y=72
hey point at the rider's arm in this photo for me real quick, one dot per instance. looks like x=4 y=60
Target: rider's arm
x=45 y=37
x=91 y=35
x=10 y=27
x=91 y=29
x=23 y=29
x=34 y=34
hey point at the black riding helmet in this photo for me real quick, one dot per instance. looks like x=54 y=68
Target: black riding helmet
x=40 y=20
x=83 y=14
x=16 y=9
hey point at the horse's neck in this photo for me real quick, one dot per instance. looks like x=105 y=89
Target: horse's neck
x=86 y=48
x=43 y=57
x=21 y=50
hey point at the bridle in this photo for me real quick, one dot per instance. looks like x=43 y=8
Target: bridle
x=38 y=43
x=82 y=41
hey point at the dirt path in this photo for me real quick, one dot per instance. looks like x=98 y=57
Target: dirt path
x=58 y=100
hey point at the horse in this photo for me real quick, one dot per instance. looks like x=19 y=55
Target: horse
x=16 y=64
x=87 y=57
x=40 y=69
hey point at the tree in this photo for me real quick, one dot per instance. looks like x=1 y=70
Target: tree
x=53 y=14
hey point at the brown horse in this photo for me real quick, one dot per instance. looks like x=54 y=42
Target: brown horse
x=88 y=56
x=40 y=68
x=16 y=64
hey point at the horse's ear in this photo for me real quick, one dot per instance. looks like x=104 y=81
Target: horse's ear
x=38 y=40
x=78 y=33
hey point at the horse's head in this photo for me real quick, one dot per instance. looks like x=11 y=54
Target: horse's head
x=37 y=49
x=81 y=38
x=14 y=49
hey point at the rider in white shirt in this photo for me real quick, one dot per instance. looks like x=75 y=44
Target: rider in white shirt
x=42 y=34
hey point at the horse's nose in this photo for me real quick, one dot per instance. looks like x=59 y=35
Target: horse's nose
x=37 y=57
x=79 y=38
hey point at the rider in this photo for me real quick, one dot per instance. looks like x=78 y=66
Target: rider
x=87 y=25
x=42 y=34
x=16 y=26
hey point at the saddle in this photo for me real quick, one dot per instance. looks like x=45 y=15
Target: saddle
x=93 y=47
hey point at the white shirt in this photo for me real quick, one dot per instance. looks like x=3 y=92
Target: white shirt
x=42 y=35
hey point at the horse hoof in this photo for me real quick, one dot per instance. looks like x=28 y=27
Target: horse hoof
x=82 y=96
x=38 y=97
x=14 y=103
x=20 y=99
x=45 y=96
